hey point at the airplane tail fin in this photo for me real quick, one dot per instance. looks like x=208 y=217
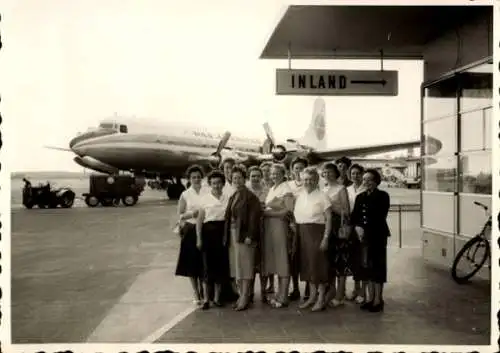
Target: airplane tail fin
x=315 y=135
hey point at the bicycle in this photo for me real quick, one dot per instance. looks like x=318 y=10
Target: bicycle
x=470 y=249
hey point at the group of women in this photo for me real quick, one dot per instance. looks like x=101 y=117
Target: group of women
x=256 y=221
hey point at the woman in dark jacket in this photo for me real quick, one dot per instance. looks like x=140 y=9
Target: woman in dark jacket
x=243 y=226
x=369 y=217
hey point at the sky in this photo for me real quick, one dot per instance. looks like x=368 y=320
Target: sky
x=68 y=64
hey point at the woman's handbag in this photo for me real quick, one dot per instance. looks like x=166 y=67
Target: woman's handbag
x=345 y=229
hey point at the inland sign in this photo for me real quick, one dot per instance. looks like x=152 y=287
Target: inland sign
x=336 y=82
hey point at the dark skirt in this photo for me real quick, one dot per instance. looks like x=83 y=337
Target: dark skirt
x=341 y=251
x=314 y=266
x=214 y=253
x=189 y=263
x=374 y=261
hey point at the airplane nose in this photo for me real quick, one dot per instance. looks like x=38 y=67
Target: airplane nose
x=74 y=141
x=77 y=148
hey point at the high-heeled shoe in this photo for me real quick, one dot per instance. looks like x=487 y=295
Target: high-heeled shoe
x=205 y=306
x=366 y=306
x=306 y=304
x=243 y=307
x=218 y=303
x=318 y=307
x=376 y=308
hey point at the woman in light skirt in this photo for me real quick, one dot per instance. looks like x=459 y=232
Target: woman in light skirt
x=260 y=190
x=243 y=227
x=276 y=243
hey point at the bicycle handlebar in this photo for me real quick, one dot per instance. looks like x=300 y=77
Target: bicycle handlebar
x=480 y=205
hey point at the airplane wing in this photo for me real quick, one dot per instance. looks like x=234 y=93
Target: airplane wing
x=361 y=151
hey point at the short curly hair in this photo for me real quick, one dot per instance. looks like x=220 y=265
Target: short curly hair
x=358 y=167
x=332 y=167
x=239 y=169
x=216 y=174
x=254 y=169
x=377 y=178
x=195 y=168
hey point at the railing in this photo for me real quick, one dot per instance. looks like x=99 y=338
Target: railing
x=410 y=226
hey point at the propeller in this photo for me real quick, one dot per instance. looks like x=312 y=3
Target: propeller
x=278 y=151
x=216 y=157
x=269 y=133
x=223 y=142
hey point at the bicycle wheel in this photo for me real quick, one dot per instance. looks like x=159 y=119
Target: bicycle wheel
x=468 y=252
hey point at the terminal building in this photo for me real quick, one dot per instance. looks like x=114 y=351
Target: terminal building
x=455 y=44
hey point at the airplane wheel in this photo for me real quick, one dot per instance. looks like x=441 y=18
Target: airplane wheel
x=130 y=200
x=91 y=201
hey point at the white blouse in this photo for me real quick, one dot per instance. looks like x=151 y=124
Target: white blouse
x=278 y=192
x=193 y=200
x=215 y=209
x=295 y=187
x=332 y=191
x=228 y=190
x=311 y=207
x=338 y=197
x=353 y=192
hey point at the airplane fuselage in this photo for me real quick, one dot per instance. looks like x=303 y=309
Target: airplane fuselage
x=161 y=149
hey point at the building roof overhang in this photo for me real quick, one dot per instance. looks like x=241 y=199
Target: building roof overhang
x=362 y=31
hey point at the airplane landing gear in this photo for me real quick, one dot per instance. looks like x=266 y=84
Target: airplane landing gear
x=174 y=190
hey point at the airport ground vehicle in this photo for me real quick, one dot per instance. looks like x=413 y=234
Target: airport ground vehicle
x=109 y=190
x=471 y=253
x=44 y=196
x=412 y=183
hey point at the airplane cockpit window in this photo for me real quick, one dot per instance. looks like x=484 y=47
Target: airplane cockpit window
x=123 y=129
x=107 y=125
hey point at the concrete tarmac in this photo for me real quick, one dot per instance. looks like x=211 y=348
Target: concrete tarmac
x=103 y=274
x=107 y=274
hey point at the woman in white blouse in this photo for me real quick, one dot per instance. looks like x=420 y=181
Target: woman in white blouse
x=340 y=248
x=359 y=293
x=297 y=167
x=190 y=263
x=275 y=242
x=210 y=236
x=313 y=218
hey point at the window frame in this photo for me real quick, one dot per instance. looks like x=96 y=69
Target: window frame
x=454 y=74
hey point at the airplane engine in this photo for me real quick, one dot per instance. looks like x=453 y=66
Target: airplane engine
x=215 y=160
x=279 y=153
x=94 y=164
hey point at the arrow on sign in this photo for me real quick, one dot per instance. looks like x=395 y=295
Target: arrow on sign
x=369 y=82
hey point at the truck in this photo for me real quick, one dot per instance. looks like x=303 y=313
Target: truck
x=44 y=196
x=110 y=190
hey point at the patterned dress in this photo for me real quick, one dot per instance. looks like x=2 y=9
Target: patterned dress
x=340 y=249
